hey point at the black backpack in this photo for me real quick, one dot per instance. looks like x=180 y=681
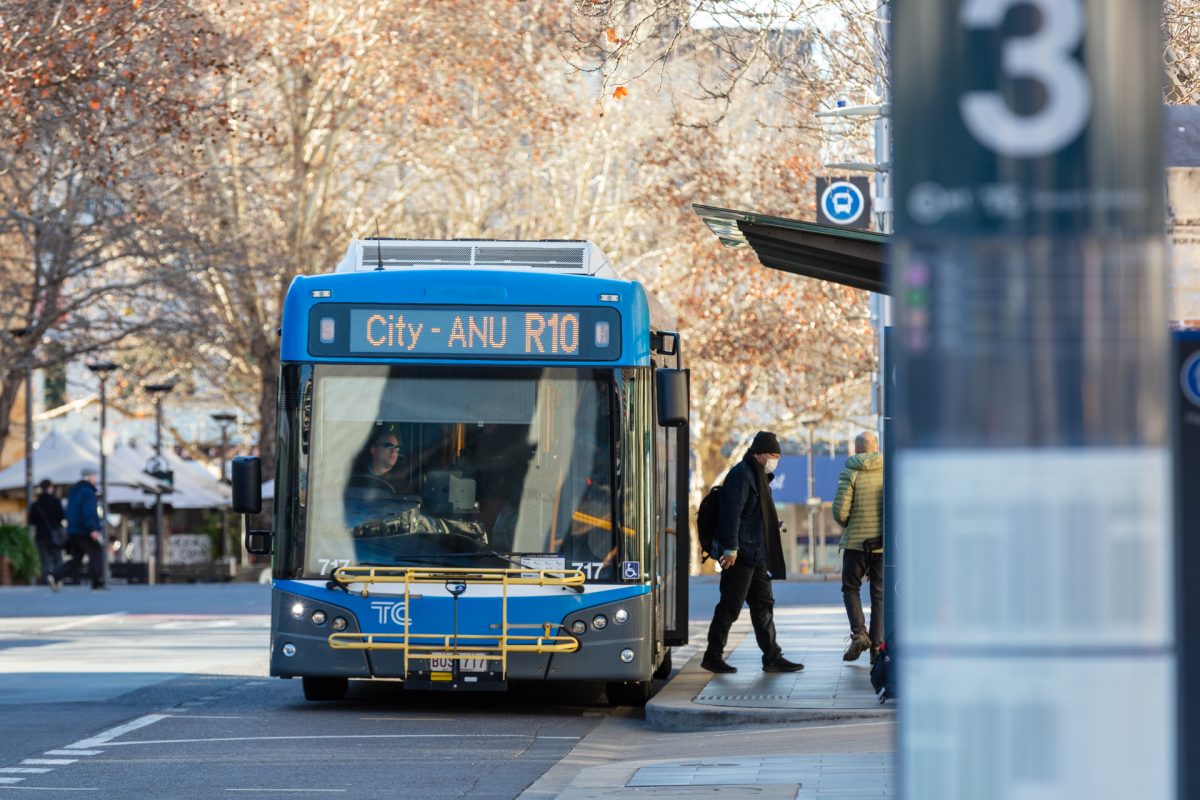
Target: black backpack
x=706 y=522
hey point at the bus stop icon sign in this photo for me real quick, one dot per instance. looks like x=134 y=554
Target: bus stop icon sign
x=1189 y=378
x=845 y=202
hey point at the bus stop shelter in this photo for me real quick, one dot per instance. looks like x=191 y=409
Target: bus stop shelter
x=851 y=258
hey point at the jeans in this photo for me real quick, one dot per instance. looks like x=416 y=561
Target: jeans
x=49 y=556
x=855 y=565
x=740 y=584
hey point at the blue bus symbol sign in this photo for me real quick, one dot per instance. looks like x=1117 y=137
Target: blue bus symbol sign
x=845 y=202
x=631 y=570
x=1189 y=378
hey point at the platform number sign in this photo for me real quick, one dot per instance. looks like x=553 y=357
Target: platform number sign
x=1024 y=116
x=1046 y=56
x=845 y=202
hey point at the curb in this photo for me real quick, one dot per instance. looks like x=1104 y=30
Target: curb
x=673 y=709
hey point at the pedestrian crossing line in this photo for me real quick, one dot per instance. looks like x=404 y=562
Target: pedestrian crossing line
x=73 y=752
x=10 y=780
x=26 y=770
x=106 y=737
x=49 y=761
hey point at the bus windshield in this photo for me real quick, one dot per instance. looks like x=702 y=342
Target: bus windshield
x=459 y=466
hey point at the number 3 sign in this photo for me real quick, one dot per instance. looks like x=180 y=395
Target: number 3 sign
x=1044 y=56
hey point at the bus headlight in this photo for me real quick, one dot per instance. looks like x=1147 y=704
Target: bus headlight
x=297 y=610
x=579 y=627
x=621 y=616
x=599 y=622
x=627 y=655
x=339 y=623
x=289 y=649
x=318 y=617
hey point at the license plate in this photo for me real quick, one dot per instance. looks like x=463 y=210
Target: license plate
x=467 y=663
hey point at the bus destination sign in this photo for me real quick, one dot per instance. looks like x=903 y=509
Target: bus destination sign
x=412 y=331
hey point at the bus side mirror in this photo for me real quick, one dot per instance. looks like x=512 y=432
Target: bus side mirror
x=258 y=543
x=672 y=386
x=246 y=477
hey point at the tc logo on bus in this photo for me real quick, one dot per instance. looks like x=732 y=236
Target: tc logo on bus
x=389 y=611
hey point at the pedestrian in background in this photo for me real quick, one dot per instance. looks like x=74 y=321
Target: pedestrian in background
x=46 y=516
x=85 y=533
x=751 y=556
x=858 y=507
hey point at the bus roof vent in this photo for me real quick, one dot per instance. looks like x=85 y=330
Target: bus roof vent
x=567 y=257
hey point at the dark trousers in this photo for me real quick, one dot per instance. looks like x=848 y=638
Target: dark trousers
x=77 y=548
x=855 y=565
x=740 y=584
x=49 y=556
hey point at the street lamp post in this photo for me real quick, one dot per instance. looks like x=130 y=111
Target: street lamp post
x=811 y=496
x=102 y=369
x=157 y=391
x=224 y=419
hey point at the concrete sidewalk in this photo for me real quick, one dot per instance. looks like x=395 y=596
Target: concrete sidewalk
x=827 y=688
x=820 y=732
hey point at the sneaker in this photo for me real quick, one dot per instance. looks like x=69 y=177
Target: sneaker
x=781 y=664
x=54 y=583
x=858 y=643
x=716 y=664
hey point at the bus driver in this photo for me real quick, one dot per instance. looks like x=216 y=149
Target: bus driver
x=375 y=467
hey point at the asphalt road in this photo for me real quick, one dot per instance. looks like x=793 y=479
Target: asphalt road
x=161 y=692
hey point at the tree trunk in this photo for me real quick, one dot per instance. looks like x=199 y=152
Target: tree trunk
x=268 y=399
x=13 y=379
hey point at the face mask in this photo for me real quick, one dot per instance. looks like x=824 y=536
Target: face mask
x=771 y=464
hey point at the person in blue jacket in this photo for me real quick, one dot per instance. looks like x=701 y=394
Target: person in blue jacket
x=751 y=556
x=85 y=533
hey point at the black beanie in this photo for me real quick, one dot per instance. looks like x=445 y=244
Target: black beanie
x=765 y=442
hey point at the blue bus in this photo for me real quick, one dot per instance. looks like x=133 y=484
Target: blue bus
x=481 y=474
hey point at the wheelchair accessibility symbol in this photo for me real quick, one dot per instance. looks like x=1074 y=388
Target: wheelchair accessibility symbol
x=631 y=570
x=842 y=202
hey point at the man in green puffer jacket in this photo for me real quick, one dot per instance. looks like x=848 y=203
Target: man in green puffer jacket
x=858 y=507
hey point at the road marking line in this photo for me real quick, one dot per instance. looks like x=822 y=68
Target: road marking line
x=11 y=780
x=85 y=621
x=201 y=716
x=73 y=752
x=26 y=770
x=50 y=761
x=54 y=788
x=286 y=790
x=105 y=737
x=343 y=736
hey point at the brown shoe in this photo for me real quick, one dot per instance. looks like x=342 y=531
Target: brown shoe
x=858 y=643
x=874 y=654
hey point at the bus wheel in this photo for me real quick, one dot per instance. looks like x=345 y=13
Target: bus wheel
x=628 y=693
x=325 y=688
x=664 y=667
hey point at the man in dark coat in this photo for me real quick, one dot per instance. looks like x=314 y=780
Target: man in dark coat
x=751 y=556
x=85 y=533
x=46 y=517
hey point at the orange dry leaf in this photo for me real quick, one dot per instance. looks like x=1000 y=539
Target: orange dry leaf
x=611 y=33
x=95 y=104
x=620 y=92
x=137 y=4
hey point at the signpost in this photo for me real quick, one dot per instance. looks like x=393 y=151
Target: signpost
x=845 y=202
x=1033 y=485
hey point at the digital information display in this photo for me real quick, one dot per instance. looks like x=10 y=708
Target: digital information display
x=543 y=332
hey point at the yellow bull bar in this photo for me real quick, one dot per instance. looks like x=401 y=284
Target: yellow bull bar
x=425 y=645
